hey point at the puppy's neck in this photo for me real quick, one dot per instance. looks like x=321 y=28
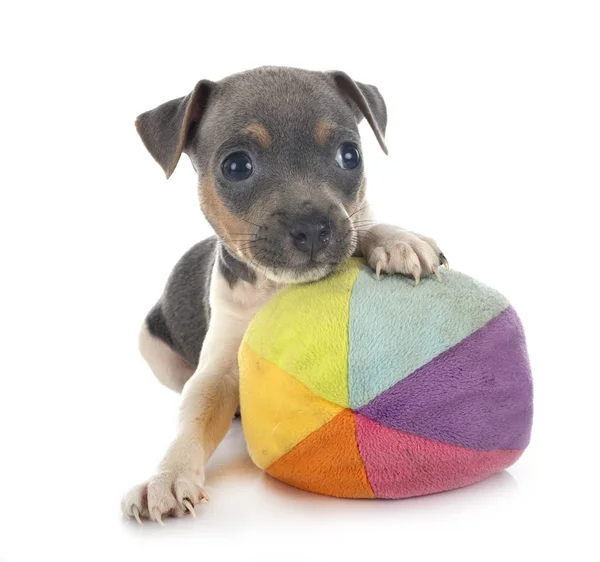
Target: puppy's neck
x=234 y=270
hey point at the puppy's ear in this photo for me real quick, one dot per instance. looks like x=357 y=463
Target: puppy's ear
x=365 y=101
x=167 y=128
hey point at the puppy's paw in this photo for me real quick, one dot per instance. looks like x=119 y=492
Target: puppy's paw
x=390 y=249
x=167 y=494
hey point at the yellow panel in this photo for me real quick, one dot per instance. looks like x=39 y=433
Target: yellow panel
x=277 y=411
x=304 y=330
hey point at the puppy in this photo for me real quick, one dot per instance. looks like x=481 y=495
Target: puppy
x=281 y=181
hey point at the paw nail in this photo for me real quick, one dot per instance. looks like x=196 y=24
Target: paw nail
x=188 y=505
x=136 y=514
x=417 y=275
x=378 y=269
x=157 y=516
x=437 y=274
x=444 y=261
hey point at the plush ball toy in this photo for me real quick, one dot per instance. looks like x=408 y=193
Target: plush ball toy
x=364 y=388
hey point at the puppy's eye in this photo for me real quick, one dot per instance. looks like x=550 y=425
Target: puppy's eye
x=237 y=166
x=347 y=156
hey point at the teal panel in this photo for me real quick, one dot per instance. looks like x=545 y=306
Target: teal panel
x=396 y=327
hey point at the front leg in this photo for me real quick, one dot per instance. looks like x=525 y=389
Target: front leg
x=208 y=404
x=209 y=401
x=391 y=249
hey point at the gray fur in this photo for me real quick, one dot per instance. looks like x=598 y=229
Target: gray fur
x=181 y=316
x=233 y=269
x=295 y=179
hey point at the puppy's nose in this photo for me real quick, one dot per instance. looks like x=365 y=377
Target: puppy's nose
x=311 y=235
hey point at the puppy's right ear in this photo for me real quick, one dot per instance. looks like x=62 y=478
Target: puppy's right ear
x=167 y=128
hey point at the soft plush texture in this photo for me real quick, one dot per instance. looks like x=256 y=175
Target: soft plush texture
x=358 y=387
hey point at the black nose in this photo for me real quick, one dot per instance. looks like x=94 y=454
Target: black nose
x=311 y=235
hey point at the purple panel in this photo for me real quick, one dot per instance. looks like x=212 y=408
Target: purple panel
x=478 y=394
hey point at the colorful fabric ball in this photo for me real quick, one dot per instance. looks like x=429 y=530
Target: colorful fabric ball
x=365 y=388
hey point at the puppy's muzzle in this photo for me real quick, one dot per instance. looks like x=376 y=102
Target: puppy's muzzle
x=311 y=234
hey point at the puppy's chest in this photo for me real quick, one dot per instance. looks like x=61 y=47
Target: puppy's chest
x=242 y=299
x=251 y=297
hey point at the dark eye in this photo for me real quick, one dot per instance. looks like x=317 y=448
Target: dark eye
x=347 y=156
x=237 y=166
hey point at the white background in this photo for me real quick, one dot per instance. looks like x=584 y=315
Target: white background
x=494 y=138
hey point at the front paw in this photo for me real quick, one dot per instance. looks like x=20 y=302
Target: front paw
x=389 y=249
x=167 y=494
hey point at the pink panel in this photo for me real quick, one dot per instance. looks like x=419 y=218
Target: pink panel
x=402 y=465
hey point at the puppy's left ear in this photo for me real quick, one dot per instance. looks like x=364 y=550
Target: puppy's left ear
x=365 y=101
x=167 y=129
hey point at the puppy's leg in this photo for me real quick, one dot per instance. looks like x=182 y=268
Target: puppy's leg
x=209 y=401
x=391 y=249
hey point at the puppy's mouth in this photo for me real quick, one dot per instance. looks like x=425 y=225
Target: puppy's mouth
x=282 y=263
x=311 y=271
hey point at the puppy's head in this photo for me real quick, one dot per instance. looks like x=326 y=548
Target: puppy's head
x=279 y=162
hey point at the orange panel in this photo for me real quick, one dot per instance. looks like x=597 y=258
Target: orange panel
x=327 y=461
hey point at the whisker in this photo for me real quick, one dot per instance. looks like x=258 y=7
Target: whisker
x=260 y=268
x=245 y=220
x=242 y=239
x=246 y=246
x=358 y=211
x=264 y=270
x=361 y=232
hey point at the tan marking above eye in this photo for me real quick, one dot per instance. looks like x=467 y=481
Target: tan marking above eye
x=258 y=131
x=322 y=131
